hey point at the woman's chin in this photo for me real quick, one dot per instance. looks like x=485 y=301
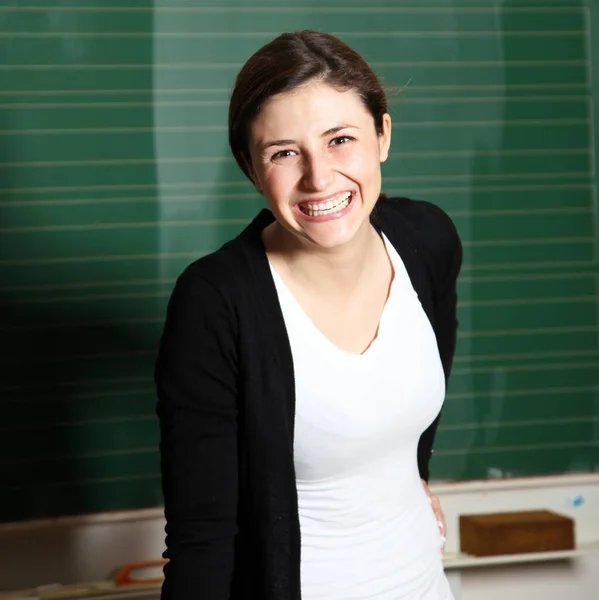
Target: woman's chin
x=335 y=234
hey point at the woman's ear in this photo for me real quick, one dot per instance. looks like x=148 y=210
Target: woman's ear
x=385 y=138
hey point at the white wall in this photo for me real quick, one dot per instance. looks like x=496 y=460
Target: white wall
x=91 y=548
x=576 y=579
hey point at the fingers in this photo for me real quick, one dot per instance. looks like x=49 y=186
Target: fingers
x=440 y=518
x=438 y=512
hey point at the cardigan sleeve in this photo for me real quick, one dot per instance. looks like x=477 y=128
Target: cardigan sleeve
x=196 y=380
x=445 y=259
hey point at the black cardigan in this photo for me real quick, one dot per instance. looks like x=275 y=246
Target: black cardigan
x=226 y=403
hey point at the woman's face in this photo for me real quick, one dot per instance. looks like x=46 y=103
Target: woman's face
x=316 y=157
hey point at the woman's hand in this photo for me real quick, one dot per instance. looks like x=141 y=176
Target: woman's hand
x=439 y=516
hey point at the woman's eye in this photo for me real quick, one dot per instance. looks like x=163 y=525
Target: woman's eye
x=338 y=141
x=283 y=154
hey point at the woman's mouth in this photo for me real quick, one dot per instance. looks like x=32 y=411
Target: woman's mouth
x=325 y=209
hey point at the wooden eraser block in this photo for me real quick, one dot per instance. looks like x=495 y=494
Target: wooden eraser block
x=515 y=533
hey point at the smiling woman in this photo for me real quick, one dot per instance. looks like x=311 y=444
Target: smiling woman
x=303 y=366
x=321 y=182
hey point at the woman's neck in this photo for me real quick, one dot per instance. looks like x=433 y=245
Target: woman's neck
x=328 y=271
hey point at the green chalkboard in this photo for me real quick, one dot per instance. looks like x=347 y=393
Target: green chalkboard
x=115 y=174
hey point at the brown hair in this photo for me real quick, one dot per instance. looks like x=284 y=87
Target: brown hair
x=289 y=61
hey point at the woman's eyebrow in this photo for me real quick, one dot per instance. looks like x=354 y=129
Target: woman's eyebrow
x=331 y=131
x=338 y=128
x=266 y=145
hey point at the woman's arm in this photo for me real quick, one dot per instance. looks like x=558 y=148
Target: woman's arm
x=446 y=260
x=438 y=512
x=196 y=379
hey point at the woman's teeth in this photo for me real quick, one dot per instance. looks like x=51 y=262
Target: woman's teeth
x=326 y=208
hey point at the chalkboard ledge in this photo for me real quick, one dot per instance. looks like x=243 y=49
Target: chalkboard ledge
x=466 y=561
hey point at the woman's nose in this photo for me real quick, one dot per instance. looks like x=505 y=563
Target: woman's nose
x=318 y=172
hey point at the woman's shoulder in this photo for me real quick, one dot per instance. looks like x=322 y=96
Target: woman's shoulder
x=430 y=227
x=212 y=269
x=228 y=269
x=423 y=216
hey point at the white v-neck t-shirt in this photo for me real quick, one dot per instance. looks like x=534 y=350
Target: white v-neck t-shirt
x=368 y=531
